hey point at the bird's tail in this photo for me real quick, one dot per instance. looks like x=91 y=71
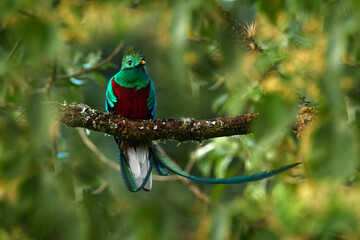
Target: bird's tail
x=164 y=164
x=136 y=166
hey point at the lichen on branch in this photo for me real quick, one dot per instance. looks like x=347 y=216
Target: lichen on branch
x=79 y=115
x=185 y=129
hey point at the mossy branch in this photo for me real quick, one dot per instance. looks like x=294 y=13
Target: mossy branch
x=79 y=115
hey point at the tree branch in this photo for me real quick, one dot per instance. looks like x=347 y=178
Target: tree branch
x=75 y=115
x=96 y=151
x=103 y=62
x=186 y=129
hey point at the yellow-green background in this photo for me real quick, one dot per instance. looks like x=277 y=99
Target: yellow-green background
x=201 y=71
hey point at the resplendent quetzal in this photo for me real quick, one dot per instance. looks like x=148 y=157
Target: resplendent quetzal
x=131 y=94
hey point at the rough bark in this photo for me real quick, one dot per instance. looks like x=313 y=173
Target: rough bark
x=186 y=129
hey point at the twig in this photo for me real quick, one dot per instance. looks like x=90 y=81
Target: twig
x=192 y=187
x=103 y=62
x=97 y=152
x=9 y=105
x=196 y=190
x=352 y=64
x=218 y=83
x=26 y=13
x=74 y=115
x=170 y=178
x=17 y=44
x=191 y=161
x=14 y=48
x=52 y=78
x=101 y=188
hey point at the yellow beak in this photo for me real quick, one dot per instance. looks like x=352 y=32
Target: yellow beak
x=142 y=62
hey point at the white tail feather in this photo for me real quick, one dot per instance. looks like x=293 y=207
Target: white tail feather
x=139 y=164
x=148 y=184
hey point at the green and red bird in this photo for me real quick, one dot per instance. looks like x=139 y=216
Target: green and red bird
x=131 y=94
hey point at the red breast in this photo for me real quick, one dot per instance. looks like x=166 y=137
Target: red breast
x=131 y=102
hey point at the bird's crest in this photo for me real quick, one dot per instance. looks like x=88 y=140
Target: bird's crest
x=132 y=57
x=131 y=51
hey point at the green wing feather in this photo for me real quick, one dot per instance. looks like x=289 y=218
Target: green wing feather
x=151 y=101
x=110 y=97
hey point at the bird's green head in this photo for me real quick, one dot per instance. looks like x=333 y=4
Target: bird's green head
x=132 y=59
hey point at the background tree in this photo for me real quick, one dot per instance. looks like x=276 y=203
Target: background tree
x=204 y=63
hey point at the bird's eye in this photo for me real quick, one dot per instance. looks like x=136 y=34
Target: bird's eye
x=129 y=63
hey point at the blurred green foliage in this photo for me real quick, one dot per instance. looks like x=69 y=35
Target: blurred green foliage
x=53 y=187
